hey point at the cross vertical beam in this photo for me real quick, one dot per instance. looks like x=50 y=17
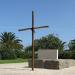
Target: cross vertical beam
x=32 y=29
x=32 y=40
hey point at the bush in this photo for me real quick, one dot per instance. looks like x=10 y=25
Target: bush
x=0 y=56
x=27 y=55
x=73 y=55
x=66 y=55
x=8 y=54
x=19 y=53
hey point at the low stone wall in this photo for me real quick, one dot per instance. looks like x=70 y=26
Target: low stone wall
x=52 y=64
x=37 y=64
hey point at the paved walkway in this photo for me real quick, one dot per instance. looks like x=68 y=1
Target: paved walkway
x=22 y=69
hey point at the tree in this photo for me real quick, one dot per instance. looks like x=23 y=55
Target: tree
x=71 y=45
x=9 y=43
x=48 y=42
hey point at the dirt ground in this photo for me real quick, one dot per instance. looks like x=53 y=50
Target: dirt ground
x=22 y=69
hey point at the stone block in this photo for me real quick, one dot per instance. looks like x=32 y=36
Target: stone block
x=49 y=54
x=51 y=64
x=37 y=63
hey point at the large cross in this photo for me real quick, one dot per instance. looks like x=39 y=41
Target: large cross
x=32 y=29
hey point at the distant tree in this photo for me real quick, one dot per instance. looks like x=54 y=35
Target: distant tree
x=9 y=43
x=48 y=42
x=71 y=45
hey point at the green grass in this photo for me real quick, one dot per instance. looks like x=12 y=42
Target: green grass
x=13 y=61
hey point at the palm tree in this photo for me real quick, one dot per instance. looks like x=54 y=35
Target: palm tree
x=10 y=45
x=8 y=40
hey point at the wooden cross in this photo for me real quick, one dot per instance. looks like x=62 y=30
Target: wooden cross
x=32 y=29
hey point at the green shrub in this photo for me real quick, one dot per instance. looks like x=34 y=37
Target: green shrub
x=67 y=55
x=8 y=54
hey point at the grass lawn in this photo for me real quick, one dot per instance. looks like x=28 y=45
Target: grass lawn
x=13 y=61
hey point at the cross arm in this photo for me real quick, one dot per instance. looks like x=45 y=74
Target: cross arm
x=24 y=29
x=41 y=27
x=33 y=28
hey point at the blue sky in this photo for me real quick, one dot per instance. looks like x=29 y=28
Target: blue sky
x=58 y=14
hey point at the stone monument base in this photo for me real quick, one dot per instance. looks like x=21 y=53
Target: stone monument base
x=52 y=64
